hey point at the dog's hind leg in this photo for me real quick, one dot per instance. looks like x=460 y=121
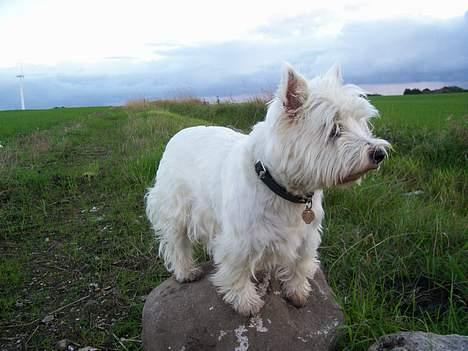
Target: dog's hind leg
x=169 y=215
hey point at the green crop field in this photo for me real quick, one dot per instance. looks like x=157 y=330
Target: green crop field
x=14 y=123
x=424 y=110
x=77 y=257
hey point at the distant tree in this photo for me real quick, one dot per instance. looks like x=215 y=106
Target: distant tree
x=411 y=91
x=451 y=89
x=443 y=90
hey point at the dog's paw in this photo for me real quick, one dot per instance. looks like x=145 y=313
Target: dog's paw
x=249 y=309
x=297 y=294
x=246 y=303
x=194 y=274
x=297 y=300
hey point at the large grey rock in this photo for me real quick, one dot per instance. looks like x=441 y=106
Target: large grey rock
x=419 y=341
x=193 y=316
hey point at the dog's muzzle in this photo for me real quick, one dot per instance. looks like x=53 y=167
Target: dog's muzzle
x=376 y=156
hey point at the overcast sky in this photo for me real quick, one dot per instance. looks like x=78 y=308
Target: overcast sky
x=77 y=53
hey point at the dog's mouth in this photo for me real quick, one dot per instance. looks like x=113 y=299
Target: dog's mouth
x=355 y=176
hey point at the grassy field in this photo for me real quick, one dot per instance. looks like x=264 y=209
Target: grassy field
x=77 y=257
x=15 y=123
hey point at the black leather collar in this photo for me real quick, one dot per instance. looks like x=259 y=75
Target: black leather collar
x=279 y=190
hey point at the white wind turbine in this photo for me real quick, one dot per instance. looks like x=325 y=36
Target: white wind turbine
x=21 y=79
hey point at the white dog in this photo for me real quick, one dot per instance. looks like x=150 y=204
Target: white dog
x=255 y=201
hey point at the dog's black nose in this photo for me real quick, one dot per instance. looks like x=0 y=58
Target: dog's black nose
x=377 y=155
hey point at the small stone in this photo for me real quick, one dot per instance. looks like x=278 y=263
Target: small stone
x=47 y=319
x=420 y=341
x=62 y=345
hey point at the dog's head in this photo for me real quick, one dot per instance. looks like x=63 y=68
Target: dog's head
x=320 y=132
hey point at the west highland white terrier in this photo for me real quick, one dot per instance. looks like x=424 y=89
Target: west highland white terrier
x=255 y=201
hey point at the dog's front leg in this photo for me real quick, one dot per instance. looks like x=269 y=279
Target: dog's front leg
x=295 y=274
x=233 y=279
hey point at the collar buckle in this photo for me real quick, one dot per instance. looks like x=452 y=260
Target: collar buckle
x=261 y=169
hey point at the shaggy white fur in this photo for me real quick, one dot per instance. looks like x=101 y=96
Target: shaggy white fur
x=315 y=135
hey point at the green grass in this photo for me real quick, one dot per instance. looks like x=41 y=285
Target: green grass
x=14 y=123
x=424 y=110
x=416 y=111
x=73 y=231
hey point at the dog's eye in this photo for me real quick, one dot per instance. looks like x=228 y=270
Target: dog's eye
x=335 y=132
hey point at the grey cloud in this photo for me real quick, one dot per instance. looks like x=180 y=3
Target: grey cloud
x=384 y=52
x=391 y=51
x=404 y=51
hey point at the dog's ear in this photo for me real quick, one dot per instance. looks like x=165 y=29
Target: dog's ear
x=293 y=91
x=335 y=73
